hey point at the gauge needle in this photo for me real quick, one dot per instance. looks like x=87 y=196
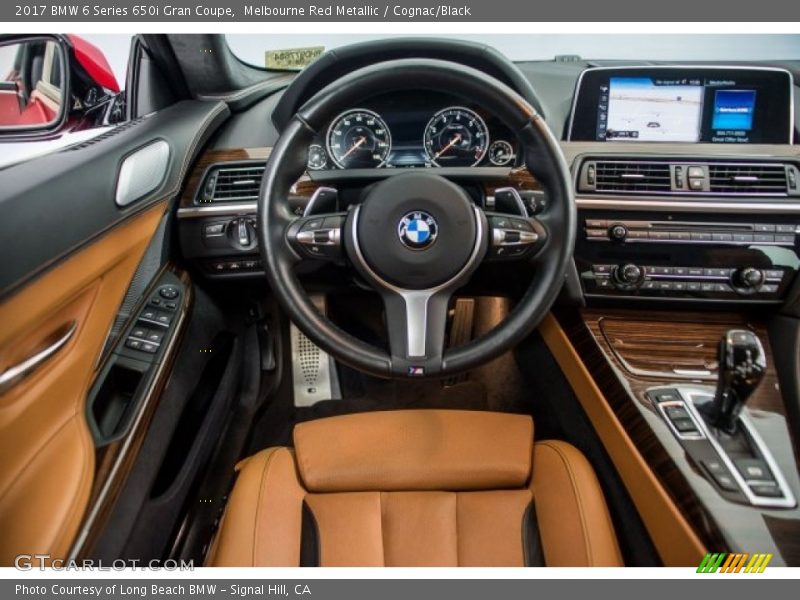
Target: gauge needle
x=453 y=142
x=360 y=141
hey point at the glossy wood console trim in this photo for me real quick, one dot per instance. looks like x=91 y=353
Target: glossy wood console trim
x=519 y=178
x=675 y=539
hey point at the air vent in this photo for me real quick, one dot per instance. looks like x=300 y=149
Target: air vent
x=747 y=179
x=236 y=183
x=688 y=177
x=631 y=177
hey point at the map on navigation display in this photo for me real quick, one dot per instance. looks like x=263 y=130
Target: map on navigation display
x=642 y=110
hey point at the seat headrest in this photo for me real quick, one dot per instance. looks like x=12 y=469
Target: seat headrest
x=415 y=450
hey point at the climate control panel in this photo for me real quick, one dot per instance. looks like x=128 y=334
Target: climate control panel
x=688 y=282
x=687 y=256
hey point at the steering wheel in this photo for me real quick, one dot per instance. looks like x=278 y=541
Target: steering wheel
x=416 y=237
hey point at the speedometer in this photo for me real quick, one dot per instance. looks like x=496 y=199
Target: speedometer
x=456 y=137
x=359 y=139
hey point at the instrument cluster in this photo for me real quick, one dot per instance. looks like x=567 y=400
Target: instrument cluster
x=413 y=130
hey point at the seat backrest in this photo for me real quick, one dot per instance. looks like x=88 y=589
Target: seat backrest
x=400 y=488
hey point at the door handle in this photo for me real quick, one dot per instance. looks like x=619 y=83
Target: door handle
x=18 y=372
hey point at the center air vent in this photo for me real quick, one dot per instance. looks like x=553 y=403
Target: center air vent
x=236 y=183
x=747 y=179
x=614 y=176
x=689 y=177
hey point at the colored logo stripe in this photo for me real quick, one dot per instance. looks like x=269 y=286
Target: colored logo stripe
x=734 y=563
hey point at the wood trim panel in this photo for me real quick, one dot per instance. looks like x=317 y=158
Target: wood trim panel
x=519 y=178
x=645 y=348
x=653 y=339
x=674 y=536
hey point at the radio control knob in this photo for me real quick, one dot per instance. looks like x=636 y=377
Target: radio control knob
x=618 y=232
x=749 y=277
x=628 y=274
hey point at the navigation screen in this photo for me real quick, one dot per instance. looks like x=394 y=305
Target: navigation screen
x=683 y=105
x=653 y=110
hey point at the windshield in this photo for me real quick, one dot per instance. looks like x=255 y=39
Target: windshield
x=254 y=49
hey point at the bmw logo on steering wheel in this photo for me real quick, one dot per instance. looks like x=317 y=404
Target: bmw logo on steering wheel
x=418 y=230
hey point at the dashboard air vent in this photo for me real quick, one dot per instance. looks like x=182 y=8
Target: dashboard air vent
x=236 y=183
x=631 y=177
x=747 y=179
x=688 y=177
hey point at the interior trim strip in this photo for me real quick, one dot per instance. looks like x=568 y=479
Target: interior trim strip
x=615 y=203
x=211 y=210
x=20 y=371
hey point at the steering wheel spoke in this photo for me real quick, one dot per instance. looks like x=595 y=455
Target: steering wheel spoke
x=416 y=321
x=513 y=237
x=318 y=237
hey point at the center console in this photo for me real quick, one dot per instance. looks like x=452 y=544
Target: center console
x=693 y=229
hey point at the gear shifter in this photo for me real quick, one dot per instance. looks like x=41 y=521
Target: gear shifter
x=741 y=368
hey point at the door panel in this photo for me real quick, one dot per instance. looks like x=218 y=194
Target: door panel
x=70 y=253
x=48 y=456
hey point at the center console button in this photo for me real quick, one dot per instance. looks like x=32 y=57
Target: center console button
x=696 y=172
x=748 y=277
x=618 y=232
x=721 y=237
x=701 y=236
x=753 y=468
x=775 y=274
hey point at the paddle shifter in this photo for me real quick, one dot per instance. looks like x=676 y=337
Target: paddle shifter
x=741 y=368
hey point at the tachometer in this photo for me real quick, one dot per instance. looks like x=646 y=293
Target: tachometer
x=456 y=137
x=359 y=139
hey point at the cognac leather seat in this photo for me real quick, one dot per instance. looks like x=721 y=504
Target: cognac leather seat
x=417 y=488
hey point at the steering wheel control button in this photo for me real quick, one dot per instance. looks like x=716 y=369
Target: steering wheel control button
x=321 y=237
x=512 y=237
x=418 y=230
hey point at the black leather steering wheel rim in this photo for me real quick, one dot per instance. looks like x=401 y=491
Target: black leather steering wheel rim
x=543 y=157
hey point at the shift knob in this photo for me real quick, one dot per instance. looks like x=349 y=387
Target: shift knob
x=741 y=368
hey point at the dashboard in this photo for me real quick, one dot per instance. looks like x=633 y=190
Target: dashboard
x=686 y=178
x=413 y=130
